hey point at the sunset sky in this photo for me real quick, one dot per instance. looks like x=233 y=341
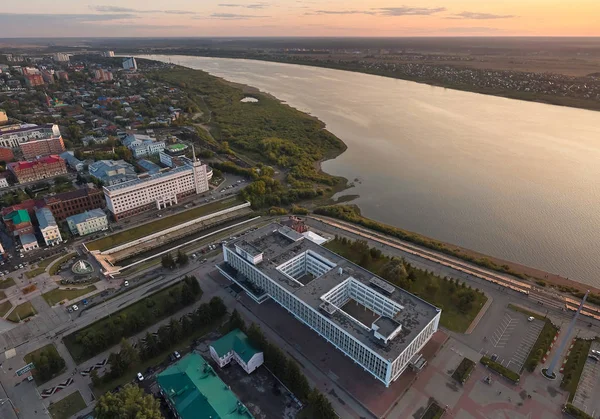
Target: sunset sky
x=58 y=18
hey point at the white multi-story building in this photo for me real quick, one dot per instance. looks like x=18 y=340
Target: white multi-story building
x=158 y=191
x=379 y=326
x=48 y=226
x=88 y=222
x=3 y=182
x=129 y=64
x=13 y=135
x=108 y=54
x=60 y=57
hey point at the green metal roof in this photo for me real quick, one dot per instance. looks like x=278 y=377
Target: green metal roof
x=19 y=216
x=177 y=146
x=237 y=341
x=195 y=390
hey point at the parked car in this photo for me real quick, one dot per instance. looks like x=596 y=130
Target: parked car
x=75 y=308
x=530 y=319
x=140 y=377
x=126 y=283
x=177 y=355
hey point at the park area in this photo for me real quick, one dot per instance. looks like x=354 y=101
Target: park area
x=59 y=294
x=460 y=304
x=21 y=312
x=67 y=407
x=48 y=363
x=143 y=230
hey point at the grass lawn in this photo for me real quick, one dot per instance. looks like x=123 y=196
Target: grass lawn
x=160 y=224
x=182 y=347
x=434 y=411
x=4 y=307
x=32 y=355
x=8 y=282
x=54 y=268
x=35 y=272
x=2 y=295
x=46 y=262
x=105 y=324
x=58 y=294
x=22 y=311
x=574 y=366
x=431 y=288
x=67 y=407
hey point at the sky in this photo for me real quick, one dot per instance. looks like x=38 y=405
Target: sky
x=143 y=18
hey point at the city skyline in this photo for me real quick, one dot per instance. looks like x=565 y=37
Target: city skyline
x=70 y=18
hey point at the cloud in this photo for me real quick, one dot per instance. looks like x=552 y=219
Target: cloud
x=247 y=6
x=472 y=29
x=234 y=16
x=32 y=18
x=410 y=11
x=118 y=9
x=384 y=11
x=479 y=16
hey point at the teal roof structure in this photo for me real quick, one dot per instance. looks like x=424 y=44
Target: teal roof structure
x=19 y=216
x=235 y=341
x=196 y=392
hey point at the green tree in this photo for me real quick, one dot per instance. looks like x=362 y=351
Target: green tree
x=96 y=381
x=319 y=405
x=167 y=261
x=182 y=258
x=74 y=132
x=236 y=322
x=131 y=402
x=217 y=307
x=129 y=355
x=151 y=345
x=175 y=331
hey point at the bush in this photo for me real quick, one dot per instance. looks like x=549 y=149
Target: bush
x=464 y=370
x=277 y=211
x=575 y=412
x=500 y=369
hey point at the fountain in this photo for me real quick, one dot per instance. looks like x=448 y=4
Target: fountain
x=82 y=267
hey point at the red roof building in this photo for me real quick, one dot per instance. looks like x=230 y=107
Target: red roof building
x=38 y=169
x=42 y=147
x=33 y=80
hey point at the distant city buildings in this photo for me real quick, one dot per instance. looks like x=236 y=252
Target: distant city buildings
x=112 y=172
x=13 y=135
x=143 y=145
x=129 y=63
x=102 y=75
x=88 y=222
x=60 y=57
x=34 y=80
x=48 y=227
x=42 y=147
x=156 y=191
x=62 y=75
x=66 y=204
x=37 y=169
x=108 y=54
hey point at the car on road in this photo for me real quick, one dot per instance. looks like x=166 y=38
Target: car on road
x=530 y=319
x=20 y=266
x=177 y=355
x=75 y=307
x=126 y=283
x=140 y=377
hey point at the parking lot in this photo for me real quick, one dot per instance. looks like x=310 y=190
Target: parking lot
x=511 y=339
x=589 y=383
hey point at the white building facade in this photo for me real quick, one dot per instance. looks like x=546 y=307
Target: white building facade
x=320 y=309
x=13 y=135
x=48 y=226
x=156 y=191
x=88 y=222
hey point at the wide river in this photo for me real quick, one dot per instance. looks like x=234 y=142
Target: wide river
x=513 y=179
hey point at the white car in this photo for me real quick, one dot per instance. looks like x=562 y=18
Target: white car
x=140 y=377
x=126 y=283
x=75 y=308
x=530 y=319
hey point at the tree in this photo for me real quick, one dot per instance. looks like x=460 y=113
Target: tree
x=182 y=258
x=320 y=407
x=129 y=355
x=175 y=331
x=217 y=307
x=194 y=285
x=96 y=381
x=131 y=402
x=256 y=336
x=167 y=261
x=74 y=132
x=151 y=345
x=236 y=322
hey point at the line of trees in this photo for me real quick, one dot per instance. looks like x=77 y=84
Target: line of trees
x=170 y=262
x=286 y=369
x=131 y=402
x=130 y=321
x=153 y=344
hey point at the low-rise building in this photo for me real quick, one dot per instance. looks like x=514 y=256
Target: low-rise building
x=143 y=145
x=156 y=191
x=42 y=147
x=170 y=152
x=87 y=140
x=112 y=172
x=37 y=169
x=88 y=222
x=29 y=242
x=3 y=182
x=236 y=346
x=193 y=390
x=34 y=80
x=72 y=161
x=66 y=204
x=103 y=75
x=3 y=117
x=18 y=222
x=150 y=167
x=13 y=135
x=6 y=154
x=48 y=227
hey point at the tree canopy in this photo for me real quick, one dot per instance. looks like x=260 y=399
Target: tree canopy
x=131 y=402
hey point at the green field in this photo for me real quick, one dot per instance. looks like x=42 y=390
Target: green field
x=574 y=366
x=35 y=272
x=58 y=294
x=8 y=282
x=67 y=407
x=5 y=307
x=164 y=223
x=433 y=289
x=22 y=311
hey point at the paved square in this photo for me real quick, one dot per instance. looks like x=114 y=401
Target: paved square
x=586 y=395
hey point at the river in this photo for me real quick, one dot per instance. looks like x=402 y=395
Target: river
x=513 y=179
